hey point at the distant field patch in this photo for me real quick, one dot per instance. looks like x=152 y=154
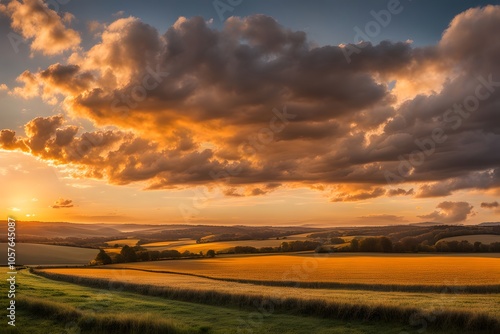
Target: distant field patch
x=112 y=250
x=35 y=254
x=170 y=244
x=405 y=269
x=193 y=247
x=482 y=238
x=123 y=242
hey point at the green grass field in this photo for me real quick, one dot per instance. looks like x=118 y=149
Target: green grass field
x=113 y=303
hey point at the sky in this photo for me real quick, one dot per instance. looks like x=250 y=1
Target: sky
x=250 y=112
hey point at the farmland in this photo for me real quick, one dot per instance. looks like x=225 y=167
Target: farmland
x=483 y=238
x=336 y=292
x=221 y=246
x=34 y=254
x=343 y=268
x=484 y=303
x=76 y=307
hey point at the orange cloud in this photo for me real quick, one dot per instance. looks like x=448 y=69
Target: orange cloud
x=256 y=103
x=33 y=19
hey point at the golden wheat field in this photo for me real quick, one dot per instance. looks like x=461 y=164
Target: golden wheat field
x=344 y=268
x=487 y=303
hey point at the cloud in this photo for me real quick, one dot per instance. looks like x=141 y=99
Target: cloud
x=400 y=192
x=478 y=180
x=232 y=192
x=119 y=13
x=62 y=203
x=450 y=212
x=255 y=103
x=33 y=19
x=491 y=205
x=346 y=197
x=8 y=139
x=3 y=90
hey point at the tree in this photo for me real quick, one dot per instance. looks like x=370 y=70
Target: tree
x=477 y=246
x=354 y=245
x=409 y=244
x=285 y=247
x=245 y=250
x=170 y=253
x=154 y=255
x=211 y=253
x=119 y=259
x=143 y=256
x=336 y=241
x=103 y=257
x=128 y=254
x=385 y=245
x=368 y=245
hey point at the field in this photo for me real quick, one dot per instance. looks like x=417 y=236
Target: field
x=401 y=269
x=302 y=292
x=193 y=247
x=484 y=303
x=48 y=306
x=34 y=254
x=483 y=238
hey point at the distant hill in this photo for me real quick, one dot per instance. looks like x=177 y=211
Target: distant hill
x=426 y=224
x=490 y=224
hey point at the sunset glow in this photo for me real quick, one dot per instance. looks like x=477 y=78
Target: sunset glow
x=250 y=120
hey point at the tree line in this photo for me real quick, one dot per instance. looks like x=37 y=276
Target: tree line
x=138 y=253
x=412 y=245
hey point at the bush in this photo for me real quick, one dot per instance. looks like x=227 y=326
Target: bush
x=128 y=254
x=245 y=250
x=211 y=253
x=336 y=241
x=170 y=253
x=103 y=257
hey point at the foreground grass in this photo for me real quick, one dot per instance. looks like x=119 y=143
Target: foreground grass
x=379 y=314
x=47 y=306
x=91 y=322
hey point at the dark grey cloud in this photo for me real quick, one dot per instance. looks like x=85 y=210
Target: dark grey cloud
x=491 y=205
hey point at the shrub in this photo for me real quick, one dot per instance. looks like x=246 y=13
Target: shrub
x=103 y=257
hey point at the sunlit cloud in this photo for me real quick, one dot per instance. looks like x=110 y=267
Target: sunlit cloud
x=252 y=107
x=62 y=203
